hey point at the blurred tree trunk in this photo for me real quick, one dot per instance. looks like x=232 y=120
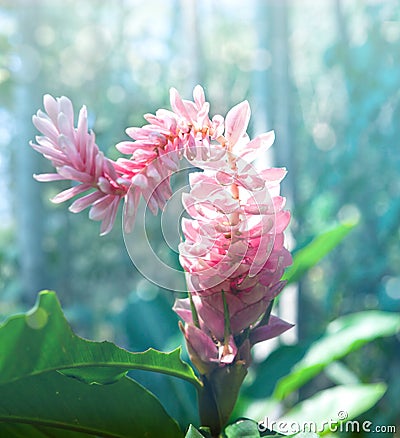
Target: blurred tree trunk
x=272 y=110
x=282 y=85
x=261 y=80
x=275 y=87
x=28 y=207
x=191 y=42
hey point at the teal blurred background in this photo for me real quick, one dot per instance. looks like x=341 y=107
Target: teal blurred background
x=324 y=75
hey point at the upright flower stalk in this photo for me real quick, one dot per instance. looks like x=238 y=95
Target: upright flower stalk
x=234 y=258
x=233 y=252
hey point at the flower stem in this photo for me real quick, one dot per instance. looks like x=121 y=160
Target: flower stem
x=218 y=396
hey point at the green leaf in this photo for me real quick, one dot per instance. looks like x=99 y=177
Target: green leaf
x=242 y=428
x=41 y=341
x=308 y=256
x=245 y=428
x=193 y=433
x=52 y=405
x=333 y=406
x=343 y=335
x=258 y=409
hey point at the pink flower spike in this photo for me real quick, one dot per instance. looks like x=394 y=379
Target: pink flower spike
x=76 y=157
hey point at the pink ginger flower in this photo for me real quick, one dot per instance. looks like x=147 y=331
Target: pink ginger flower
x=233 y=251
x=159 y=145
x=154 y=156
x=76 y=157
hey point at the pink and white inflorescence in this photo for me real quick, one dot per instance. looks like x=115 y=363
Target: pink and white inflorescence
x=233 y=252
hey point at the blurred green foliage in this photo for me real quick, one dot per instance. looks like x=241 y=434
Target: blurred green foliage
x=328 y=84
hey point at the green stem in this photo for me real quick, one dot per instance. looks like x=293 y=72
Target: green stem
x=218 y=396
x=208 y=409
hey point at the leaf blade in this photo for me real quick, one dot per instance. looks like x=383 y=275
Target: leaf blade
x=193 y=432
x=242 y=428
x=343 y=335
x=41 y=341
x=308 y=256
x=335 y=405
x=53 y=402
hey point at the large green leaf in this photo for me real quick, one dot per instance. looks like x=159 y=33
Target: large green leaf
x=242 y=428
x=334 y=406
x=257 y=409
x=308 y=256
x=51 y=405
x=343 y=335
x=41 y=341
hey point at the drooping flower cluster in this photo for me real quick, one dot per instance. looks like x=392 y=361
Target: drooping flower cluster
x=233 y=252
x=154 y=156
x=76 y=157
